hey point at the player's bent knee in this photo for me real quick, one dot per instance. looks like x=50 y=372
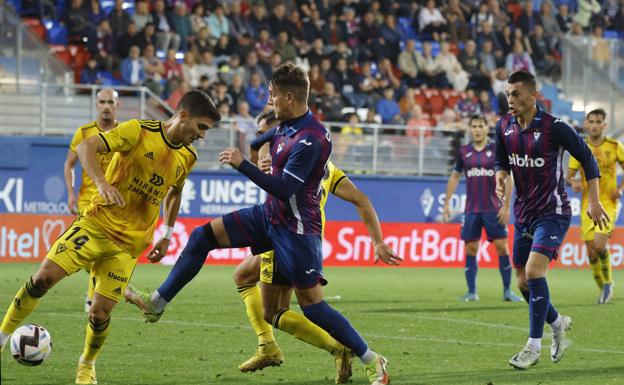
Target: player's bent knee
x=97 y=315
x=472 y=248
x=42 y=282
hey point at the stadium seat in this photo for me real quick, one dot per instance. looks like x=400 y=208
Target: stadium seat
x=35 y=27
x=437 y=104
x=57 y=34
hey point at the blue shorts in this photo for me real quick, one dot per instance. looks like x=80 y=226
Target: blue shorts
x=473 y=223
x=543 y=235
x=298 y=257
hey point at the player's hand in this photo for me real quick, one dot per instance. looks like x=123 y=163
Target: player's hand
x=503 y=215
x=110 y=194
x=159 y=250
x=616 y=194
x=577 y=185
x=231 y=156
x=264 y=164
x=384 y=253
x=598 y=214
x=500 y=186
x=71 y=203
x=446 y=214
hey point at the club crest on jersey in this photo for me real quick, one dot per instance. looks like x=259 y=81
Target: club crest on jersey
x=536 y=135
x=488 y=153
x=468 y=155
x=508 y=131
x=280 y=147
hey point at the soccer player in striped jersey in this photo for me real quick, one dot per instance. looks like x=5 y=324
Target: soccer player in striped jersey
x=483 y=208
x=530 y=144
x=608 y=152
x=107 y=102
x=151 y=162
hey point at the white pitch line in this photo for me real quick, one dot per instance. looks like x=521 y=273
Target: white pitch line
x=400 y=338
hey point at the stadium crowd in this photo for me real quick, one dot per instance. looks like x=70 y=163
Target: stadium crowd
x=406 y=62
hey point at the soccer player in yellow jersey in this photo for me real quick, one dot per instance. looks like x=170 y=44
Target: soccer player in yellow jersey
x=607 y=152
x=151 y=162
x=107 y=102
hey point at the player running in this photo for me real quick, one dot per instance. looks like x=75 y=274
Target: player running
x=151 y=162
x=530 y=144
x=608 y=152
x=483 y=208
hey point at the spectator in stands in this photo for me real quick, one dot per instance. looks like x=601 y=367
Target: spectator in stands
x=238 y=23
x=258 y=19
x=141 y=14
x=202 y=42
x=456 y=17
x=452 y=68
x=469 y=105
x=430 y=71
x=218 y=22
x=76 y=19
x=618 y=22
x=334 y=31
x=388 y=108
x=190 y=69
x=96 y=13
x=370 y=47
x=564 y=19
x=610 y=9
x=549 y=21
x=387 y=76
x=132 y=71
x=391 y=37
x=197 y=18
x=352 y=128
x=407 y=101
x=204 y=84
x=527 y=19
x=313 y=27
x=89 y=74
x=482 y=15
x=236 y=90
x=103 y=50
x=519 y=59
x=181 y=24
x=173 y=70
x=601 y=52
x=252 y=65
x=542 y=57
x=499 y=83
x=147 y=36
x=586 y=9
x=256 y=94
x=500 y=18
x=118 y=19
x=245 y=126
x=487 y=105
x=408 y=63
x=487 y=33
x=506 y=40
x=331 y=104
x=296 y=31
x=44 y=8
x=265 y=46
x=166 y=36
x=207 y=66
x=127 y=40
x=223 y=49
x=317 y=80
x=277 y=20
x=154 y=69
x=487 y=58
x=343 y=51
x=230 y=69
x=179 y=89
x=431 y=21
x=221 y=95
x=286 y=50
x=469 y=60
x=317 y=53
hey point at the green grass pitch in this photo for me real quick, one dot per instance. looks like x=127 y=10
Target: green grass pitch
x=410 y=315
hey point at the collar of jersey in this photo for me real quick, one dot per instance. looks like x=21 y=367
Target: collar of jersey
x=290 y=127
x=536 y=122
x=166 y=140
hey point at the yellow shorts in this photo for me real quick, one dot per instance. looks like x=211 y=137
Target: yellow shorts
x=588 y=229
x=84 y=246
x=267 y=266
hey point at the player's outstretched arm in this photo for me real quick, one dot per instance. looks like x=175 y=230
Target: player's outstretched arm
x=451 y=186
x=87 y=153
x=347 y=191
x=171 y=204
x=68 y=173
x=594 y=208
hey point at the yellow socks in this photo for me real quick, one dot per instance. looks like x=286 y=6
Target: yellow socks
x=305 y=330
x=605 y=266
x=250 y=294
x=94 y=340
x=25 y=301
x=597 y=272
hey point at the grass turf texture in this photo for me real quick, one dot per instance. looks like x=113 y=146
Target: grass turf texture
x=410 y=315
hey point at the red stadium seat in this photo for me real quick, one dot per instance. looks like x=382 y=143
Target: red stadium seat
x=452 y=100
x=35 y=27
x=437 y=104
x=421 y=100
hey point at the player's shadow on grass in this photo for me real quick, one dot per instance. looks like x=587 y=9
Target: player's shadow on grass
x=441 y=309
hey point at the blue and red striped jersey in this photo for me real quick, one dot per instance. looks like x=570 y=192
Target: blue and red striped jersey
x=478 y=167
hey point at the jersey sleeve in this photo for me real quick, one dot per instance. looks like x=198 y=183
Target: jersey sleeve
x=302 y=158
x=570 y=140
x=76 y=140
x=501 y=160
x=262 y=139
x=123 y=137
x=574 y=164
x=336 y=175
x=191 y=158
x=619 y=153
x=459 y=163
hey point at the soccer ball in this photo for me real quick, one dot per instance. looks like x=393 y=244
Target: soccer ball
x=31 y=345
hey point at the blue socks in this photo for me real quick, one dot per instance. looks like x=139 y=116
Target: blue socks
x=552 y=313
x=190 y=262
x=540 y=308
x=504 y=267
x=471 y=273
x=336 y=325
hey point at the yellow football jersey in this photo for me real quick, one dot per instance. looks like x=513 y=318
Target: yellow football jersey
x=87 y=188
x=333 y=176
x=145 y=165
x=607 y=154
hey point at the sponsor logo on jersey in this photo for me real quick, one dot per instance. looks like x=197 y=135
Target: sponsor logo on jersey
x=479 y=171
x=149 y=155
x=525 y=161
x=157 y=180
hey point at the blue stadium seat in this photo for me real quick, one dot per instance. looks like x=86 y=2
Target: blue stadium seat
x=611 y=34
x=17 y=6
x=57 y=34
x=550 y=92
